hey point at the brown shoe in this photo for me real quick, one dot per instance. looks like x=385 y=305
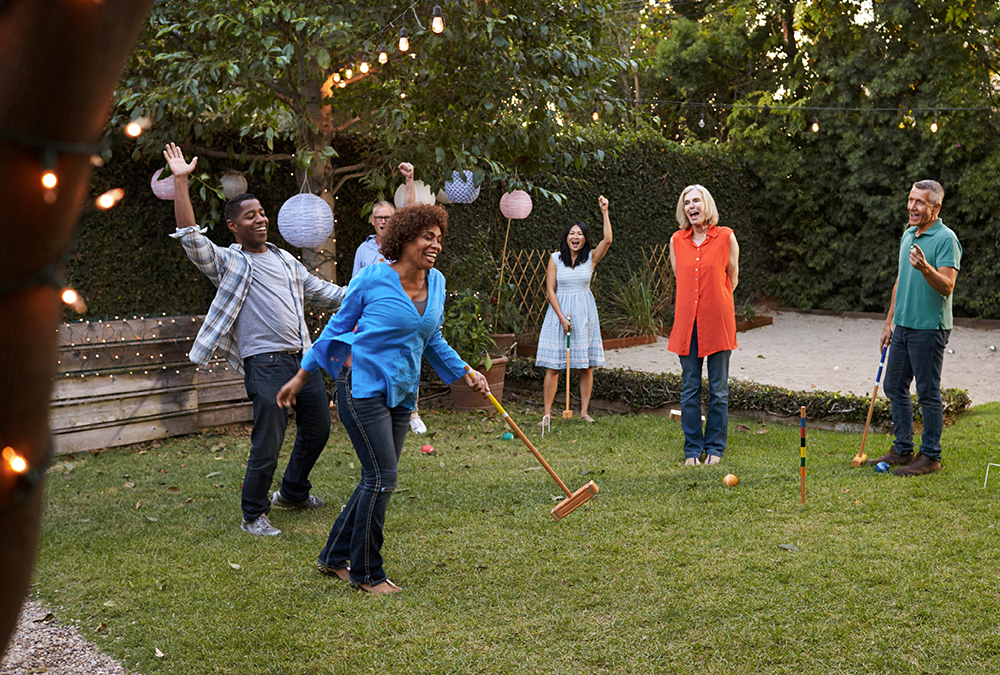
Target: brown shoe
x=892 y=459
x=919 y=467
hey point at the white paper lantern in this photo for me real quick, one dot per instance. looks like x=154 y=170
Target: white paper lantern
x=164 y=189
x=424 y=194
x=305 y=221
x=460 y=188
x=234 y=184
x=442 y=197
x=516 y=204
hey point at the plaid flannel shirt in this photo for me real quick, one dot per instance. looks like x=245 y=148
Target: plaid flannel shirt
x=229 y=269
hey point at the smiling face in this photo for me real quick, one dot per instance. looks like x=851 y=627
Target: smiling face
x=250 y=226
x=423 y=251
x=380 y=216
x=694 y=209
x=922 y=212
x=575 y=239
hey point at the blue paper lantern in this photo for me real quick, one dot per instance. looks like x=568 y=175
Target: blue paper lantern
x=460 y=189
x=305 y=221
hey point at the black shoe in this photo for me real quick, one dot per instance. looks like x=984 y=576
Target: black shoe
x=919 y=467
x=892 y=459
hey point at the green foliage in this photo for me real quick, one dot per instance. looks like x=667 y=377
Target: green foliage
x=654 y=390
x=498 y=90
x=466 y=330
x=636 y=307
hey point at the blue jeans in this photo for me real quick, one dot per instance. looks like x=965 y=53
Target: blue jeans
x=377 y=432
x=916 y=354
x=712 y=440
x=264 y=375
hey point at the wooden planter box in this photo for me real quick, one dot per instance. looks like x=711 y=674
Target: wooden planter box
x=757 y=322
x=530 y=349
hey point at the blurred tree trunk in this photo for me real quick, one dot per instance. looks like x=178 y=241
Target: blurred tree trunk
x=61 y=61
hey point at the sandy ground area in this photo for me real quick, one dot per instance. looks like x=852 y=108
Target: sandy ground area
x=811 y=352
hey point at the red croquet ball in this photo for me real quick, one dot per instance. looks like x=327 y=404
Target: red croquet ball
x=427 y=448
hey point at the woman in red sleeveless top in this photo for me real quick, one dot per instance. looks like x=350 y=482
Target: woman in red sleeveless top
x=705 y=260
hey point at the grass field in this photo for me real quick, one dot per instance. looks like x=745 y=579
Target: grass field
x=666 y=571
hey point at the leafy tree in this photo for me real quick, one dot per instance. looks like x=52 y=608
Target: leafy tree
x=495 y=93
x=873 y=77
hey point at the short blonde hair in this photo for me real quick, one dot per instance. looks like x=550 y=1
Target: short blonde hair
x=711 y=211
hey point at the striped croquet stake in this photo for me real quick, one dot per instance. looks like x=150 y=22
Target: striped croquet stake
x=802 y=451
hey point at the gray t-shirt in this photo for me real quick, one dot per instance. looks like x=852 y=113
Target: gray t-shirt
x=268 y=320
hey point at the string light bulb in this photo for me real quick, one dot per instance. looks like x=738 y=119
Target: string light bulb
x=364 y=66
x=336 y=77
x=404 y=40
x=16 y=463
x=437 y=22
x=701 y=122
x=595 y=115
x=348 y=73
x=109 y=199
x=133 y=129
x=934 y=125
x=383 y=56
x=49 y=179
x=73 y=299
x=815 y=124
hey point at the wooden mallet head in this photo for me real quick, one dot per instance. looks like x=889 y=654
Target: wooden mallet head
x=858 y=460
x=578 y=498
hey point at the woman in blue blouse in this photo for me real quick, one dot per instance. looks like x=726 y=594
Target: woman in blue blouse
x=398 y=309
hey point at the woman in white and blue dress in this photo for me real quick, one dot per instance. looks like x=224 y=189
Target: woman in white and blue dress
x=572 y=310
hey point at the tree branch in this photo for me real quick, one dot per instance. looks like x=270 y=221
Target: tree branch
x=344 y=179
x=208 y=152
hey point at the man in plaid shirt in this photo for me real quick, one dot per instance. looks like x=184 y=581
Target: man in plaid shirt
x=257 y=323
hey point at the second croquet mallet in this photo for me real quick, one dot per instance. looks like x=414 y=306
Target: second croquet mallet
x=567 y=413
x=860 y=458
x=802 y=450
x=573 y=499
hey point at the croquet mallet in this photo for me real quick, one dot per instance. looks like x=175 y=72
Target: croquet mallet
x=860 y=458
x=573 y=499
x=567 y=413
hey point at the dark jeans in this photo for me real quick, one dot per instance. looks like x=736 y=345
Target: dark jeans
x=377 y=433
x=916 y=354
x=712 y=440
x=264 y=376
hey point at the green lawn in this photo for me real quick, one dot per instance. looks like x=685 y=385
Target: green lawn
x=666 y=571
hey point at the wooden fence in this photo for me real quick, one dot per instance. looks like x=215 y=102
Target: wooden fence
x=526 y=270
x=127 y=381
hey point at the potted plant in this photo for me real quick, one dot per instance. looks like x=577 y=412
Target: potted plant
x=466 y=331
x=503 y=317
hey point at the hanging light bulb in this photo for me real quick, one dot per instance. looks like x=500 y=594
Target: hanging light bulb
x=437 y=22
x=815 y=124
x=110 y=198
x=404 y=41
x=49 y=179
x=16 y=463
x=701 y=122
x=73 y=299
x=383 y=56
x=934 y=125
x=349 y=73
x=364 y=66
x=336 y=77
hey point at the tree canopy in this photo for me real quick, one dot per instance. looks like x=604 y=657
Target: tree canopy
x=497 y=92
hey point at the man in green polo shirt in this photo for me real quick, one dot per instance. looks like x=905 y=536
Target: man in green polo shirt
x=929 y=260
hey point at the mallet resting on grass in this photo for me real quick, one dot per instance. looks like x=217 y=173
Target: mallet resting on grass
x=573 y=499
x=860 y=458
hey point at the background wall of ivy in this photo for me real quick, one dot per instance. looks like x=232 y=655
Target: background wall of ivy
x=125 y=263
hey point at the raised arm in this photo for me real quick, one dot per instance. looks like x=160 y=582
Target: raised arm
x=406 y=169
x=605 y=243
x=183 y=210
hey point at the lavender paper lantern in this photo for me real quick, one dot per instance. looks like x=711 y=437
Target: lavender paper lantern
x=424 y=194
x=516 y=204
x=164 y=189
x=460 y=189
x=305 y=221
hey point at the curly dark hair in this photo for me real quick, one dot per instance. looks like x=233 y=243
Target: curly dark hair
x=407 y=224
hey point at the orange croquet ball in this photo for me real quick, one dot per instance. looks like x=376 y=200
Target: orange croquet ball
x=730 y=480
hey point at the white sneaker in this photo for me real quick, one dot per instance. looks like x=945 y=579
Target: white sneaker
x=417 y=425
x=261 y=527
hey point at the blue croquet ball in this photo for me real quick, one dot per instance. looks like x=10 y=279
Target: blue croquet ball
x=507 y=436
x=882 y=467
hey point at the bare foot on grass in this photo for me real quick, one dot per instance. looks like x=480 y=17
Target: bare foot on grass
x=380 y=589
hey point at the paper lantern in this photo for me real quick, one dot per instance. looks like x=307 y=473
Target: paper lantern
x=424 y=194
x=233 y=184
x=516 y=204
x=460 y=189
x=305 y=221
x=164 y=189
x=442 y=197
